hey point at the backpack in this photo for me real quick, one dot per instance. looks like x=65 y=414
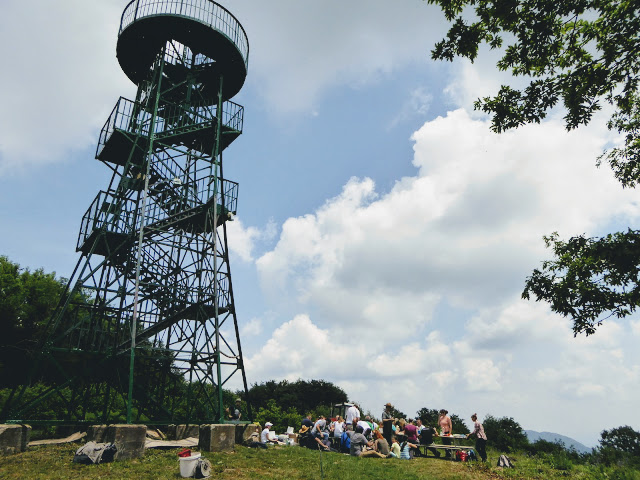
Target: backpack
x=203 y=468
x=461 y=456
x=345 y=441
x=92 y=452
x=504 y=462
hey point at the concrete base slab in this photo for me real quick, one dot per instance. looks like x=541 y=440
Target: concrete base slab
x=129 y=439
x=14 y=438
x=217 y=438
x=58 y=441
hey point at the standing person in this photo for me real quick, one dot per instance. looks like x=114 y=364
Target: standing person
x=446 y=426
x=338 y=427
x=481 y=437
x=353 y=414
x=387 y=423
x=235 y=414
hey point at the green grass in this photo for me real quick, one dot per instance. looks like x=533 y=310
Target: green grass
x=55 y=462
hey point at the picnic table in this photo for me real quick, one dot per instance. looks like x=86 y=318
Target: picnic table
x=455 y=447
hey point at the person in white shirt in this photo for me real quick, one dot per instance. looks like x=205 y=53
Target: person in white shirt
x=366 y=428
x=353 y=414
x=338 y=427
x=264 y=436
x=319 y=426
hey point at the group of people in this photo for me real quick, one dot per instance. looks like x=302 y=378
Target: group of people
x=393 y=438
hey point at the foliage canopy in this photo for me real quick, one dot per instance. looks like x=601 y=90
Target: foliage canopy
x=624 y=439
x=580 y=54
x=504 y=434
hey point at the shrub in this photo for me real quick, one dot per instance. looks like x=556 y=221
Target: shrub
x=505 y=434
x=281 y=419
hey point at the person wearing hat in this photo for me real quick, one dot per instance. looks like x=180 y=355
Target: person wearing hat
x=387 y=423
x=264 y=437
x=305 y=439
x=312 y=441
x=235 y=414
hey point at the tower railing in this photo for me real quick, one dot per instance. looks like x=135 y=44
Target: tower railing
x=204 y=11
x=170 y=200
x=131 y=118
x=114 y=215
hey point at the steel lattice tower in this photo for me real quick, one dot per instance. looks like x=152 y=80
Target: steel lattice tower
x=149 y=303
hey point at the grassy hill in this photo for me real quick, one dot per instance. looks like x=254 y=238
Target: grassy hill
x=55 y=462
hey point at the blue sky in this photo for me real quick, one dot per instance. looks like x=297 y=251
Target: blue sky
x=383 y=232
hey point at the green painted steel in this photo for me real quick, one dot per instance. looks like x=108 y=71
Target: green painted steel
x=143 y=320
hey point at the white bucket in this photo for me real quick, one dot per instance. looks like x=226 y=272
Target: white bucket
x=188 y=465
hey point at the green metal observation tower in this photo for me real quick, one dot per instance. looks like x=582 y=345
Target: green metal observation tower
x=148 y=322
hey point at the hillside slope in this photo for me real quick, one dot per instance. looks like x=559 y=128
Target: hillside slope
x=555 y=437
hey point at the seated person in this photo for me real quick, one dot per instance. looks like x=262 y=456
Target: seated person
x=395 y=447
x=380 y=444
x=254 y=440
x=312 y=441
x=320 y=426
x=411 y=431
x=307 y=422
x=264 y=437
x=426 y=438
x=345 y=439
x=361 y=447
x=406 y=448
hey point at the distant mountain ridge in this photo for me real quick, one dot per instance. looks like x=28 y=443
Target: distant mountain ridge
x=555 y=437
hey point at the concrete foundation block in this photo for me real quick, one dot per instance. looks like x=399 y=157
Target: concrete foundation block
x=129 y=439
x=178 y=432
x=217 y=438
x=97 y=433
x=243 y=433
x=14 y=438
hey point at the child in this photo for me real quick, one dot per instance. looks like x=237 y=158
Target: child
x=405 y=448
x=395 y=448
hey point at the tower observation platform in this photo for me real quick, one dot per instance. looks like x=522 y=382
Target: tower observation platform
x=218 y=40
x=146 y=330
